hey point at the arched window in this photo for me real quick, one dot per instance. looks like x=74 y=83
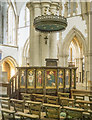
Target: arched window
x=11 y=26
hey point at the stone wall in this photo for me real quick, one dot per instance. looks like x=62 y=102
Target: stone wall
x=0 y=22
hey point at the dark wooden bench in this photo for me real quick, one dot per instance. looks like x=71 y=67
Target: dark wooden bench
x=86 y=105
x=19 y=109
x=52 y=99
x=35 y=108
x=79 y=96
x=90 y=97
x=63 y=94
x=64 y=101
x=85 y=93
x=26 y=97
x=38 y=97
x=6 y=110
x=52 y=111
x=74 y=113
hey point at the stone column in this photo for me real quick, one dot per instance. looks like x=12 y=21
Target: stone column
x=80 y=67
x=35 y=11
x=66 y=60
x=16 y=33
x=30 y=7
x=66 y=9
x=72 y=7
x=1 y=17
x=44 y=43
x=61 y=61
x=86 y=71
x=88 y=19
x=60 y=56
x=36 y=38
x=90 y=46
x=0 y=77
x=77 y=65
x=53 y=37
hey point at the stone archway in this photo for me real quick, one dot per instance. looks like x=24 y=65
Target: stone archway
x=9 y=65
x=80 y=45
x=69 y=37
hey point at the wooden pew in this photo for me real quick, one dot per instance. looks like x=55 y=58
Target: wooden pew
x=4 y=98
x=79 y=96
x=52 y=99
x=52 y=111
x=90 y=97
x=63 y=94
x=86 y=105
x=6 y=110
x=85 y=93
x=64 y=101
x=35 y=108
x=38 y=97
x=19 y=109
x=74 y=113
x=26 y=97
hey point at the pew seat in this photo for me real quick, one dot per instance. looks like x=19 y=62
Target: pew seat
x=38 y=97
x=52 y=99
x=52 y=111
x=25 y=115
x=63 y=94
x=6 y=110
x=64 y=101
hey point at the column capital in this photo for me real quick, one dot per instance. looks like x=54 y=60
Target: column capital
x=36 y=4
x=29 y=5
x=46 y=4
x=33 y=4
x=54 y=5
x=89 y=7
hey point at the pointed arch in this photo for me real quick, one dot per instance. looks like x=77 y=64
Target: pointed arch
x=9 y=65
x=10 y=60
x=69 y=37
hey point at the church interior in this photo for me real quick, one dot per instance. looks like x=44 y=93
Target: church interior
x=45 y=60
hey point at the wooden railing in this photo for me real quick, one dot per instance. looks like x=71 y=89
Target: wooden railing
x=14 y=86
x=27 y=80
